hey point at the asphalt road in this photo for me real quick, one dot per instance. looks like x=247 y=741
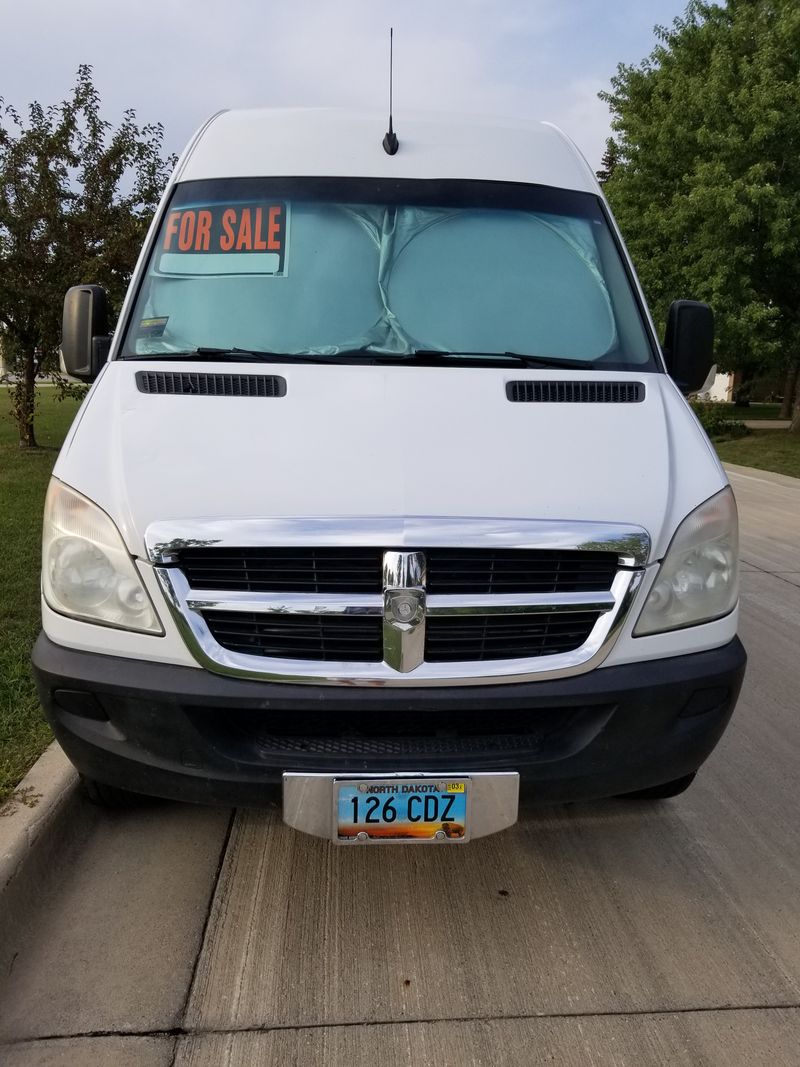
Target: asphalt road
x=606 y=933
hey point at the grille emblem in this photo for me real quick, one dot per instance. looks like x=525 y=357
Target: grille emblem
x=403 y=610
x=405 y=607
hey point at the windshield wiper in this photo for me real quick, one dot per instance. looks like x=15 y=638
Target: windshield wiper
x=424 y=357
x=238 y=355
x=528 y=360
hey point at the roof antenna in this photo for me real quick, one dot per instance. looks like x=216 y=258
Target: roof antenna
x=390 y=142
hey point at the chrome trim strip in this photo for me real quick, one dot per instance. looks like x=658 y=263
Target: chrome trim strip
x=375 y=603
x=403 y=570
x=165 y=540
x=519 y=603
x=214 y=657
x=285 y=603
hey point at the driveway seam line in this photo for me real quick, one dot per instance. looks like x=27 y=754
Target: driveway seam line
x=773 y=574
x=180 y=1032
x=201 y=941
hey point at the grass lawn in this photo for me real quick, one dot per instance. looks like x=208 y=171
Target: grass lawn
x=23 y=480
x=755 y=412
x=769 y=450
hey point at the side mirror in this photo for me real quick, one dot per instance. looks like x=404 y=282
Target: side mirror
x=84 y=332
x=689 y=343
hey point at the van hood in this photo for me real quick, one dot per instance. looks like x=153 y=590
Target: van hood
x=350 y=441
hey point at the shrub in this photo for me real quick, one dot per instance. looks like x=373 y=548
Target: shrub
x=716 y=421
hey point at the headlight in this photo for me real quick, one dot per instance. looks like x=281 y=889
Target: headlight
x=699 y=577
x=86 y=570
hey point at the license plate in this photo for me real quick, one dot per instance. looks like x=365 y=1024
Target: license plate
x=403 y=809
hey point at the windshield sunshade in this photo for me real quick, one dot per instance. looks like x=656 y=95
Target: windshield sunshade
x=309 y=267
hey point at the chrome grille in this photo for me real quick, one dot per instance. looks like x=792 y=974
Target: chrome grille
x=488 y=601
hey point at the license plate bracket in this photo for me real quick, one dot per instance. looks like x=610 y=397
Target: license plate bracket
x=407 y=809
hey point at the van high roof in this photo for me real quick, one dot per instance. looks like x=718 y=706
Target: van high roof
x=321 y=142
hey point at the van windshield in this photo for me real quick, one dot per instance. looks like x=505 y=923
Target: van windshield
x=386 y=269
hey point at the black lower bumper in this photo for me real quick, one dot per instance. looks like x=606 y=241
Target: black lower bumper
x=187 y=734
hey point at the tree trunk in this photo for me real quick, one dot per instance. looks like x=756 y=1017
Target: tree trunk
x=790 y=391
x=24 y=401
x=795 y=426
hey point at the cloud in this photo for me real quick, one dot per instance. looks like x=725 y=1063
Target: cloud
x=178 y=61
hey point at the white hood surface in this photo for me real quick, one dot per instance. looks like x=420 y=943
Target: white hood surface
x=362 y=441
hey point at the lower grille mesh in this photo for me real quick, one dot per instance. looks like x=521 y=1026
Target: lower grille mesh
x=349 y=733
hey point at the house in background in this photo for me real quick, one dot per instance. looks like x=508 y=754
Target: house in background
x=722 y=387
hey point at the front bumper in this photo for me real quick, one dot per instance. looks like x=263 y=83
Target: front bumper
x=188 y=734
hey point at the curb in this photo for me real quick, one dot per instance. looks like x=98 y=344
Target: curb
x=764 y=476
x=33 y=811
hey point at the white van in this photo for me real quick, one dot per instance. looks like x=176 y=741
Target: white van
x=386 y=493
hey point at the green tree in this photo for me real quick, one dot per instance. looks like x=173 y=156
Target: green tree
x=609 y=161
x=76 y=198
x=707 y=184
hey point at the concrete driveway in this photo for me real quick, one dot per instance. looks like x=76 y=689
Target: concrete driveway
x=607 y=933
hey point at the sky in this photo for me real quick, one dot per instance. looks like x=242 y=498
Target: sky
x=178 y=61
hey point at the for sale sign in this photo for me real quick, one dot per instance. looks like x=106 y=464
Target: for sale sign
x=241 y=238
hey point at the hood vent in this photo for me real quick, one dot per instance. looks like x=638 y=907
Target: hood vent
x=571 y=392
x=186 y=383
